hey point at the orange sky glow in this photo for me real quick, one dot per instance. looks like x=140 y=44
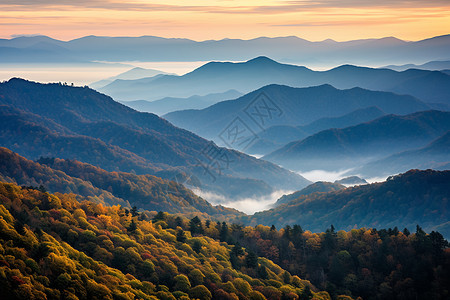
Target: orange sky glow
x=217 y=19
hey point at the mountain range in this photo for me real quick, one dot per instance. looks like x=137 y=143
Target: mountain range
x=168 y=104
x=349 y=147
x=134 y=73
x=282 y=105
x=66 y=246
x=415 y=197
x=431 y=65
x=435 y=155
x=383 y=51
x=277 y=136
x=55 y=120
x=109 y=191
x=219 y=77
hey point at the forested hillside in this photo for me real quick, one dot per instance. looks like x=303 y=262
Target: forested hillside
x=405 y=200
x=55 y=247
x=110 y=188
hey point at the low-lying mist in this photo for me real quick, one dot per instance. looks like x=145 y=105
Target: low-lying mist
x=246 y=205
x=323 y=175
x=332 y=176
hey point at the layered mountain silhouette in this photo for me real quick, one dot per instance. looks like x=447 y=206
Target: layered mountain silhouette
x=134 y=73
x=54 y=120
x=213 y=77
x=350 y=147
x=415 y=197
x=431 y=65
x=435 y=155
x=277 y=136
x=219 y=77
x=169 y=104
x=282 y=105
x=384 y=51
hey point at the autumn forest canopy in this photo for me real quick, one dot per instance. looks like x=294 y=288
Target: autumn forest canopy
x=248 y=178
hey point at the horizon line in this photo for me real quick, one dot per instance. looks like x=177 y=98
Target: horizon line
x=15 y=36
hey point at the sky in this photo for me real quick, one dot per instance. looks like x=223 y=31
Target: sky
x=317 y=20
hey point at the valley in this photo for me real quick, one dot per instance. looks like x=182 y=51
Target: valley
x=267 y=168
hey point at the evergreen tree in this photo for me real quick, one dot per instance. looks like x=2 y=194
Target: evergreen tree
x=134 y=211
x=197 y=246
x=251 y=260
x=223 y=232
x=132 y=226
x=195 y=225
x=160 y=216
x=181 y=236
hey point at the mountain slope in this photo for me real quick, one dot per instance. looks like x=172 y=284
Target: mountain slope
x=277 y=136
x=282 y=105
x=135 y=73
x=435 y=155
x=317 y=187
x=111 y=188
x=415 y=197
x=128 y=140
x=53 y=246
x=349 y=147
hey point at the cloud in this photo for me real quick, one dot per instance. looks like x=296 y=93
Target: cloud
x=369 y=3
x=218 y=7
x=101 y=4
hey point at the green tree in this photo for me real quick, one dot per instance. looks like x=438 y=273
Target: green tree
x=200 y=292
x=224 y=232
x=196 y=277
x=182 y=283
x=160 y=216
x=132 y=226
x=181 y=236
x=195 y=225
x=197 y=246
x=306 y=294
x=262 y=272
x=251 y=260
x=134 y=211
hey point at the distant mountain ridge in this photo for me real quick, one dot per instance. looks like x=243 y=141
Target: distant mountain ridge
x=432 y=66
x=169 y=104
x=351 y=146
x=293 y=107
x=135 y=73
x=218 y=77
x=92 y=128
x=277 y=136
x=381 y=51
x=435 y=155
